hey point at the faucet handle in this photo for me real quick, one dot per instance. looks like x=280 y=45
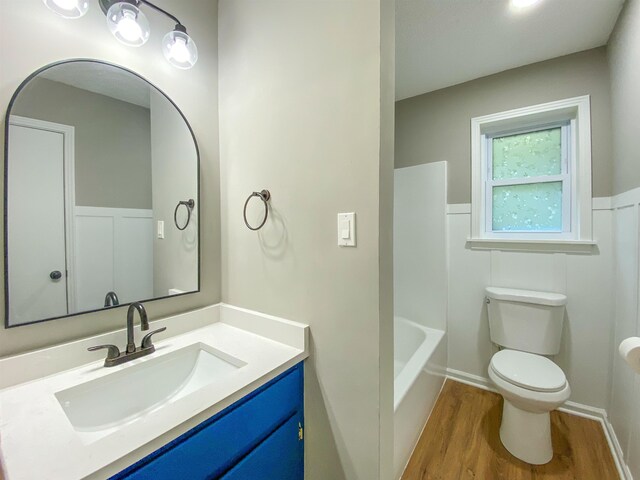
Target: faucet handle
x=114 y=352
x=146 y=340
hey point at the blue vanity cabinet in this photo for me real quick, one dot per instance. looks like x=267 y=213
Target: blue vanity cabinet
x=259 y=438
x=279 y=457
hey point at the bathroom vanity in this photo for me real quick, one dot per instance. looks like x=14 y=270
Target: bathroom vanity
x=218 y=393
x=259 y=436
x=220 y=398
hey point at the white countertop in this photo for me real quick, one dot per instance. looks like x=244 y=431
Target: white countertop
x=37 y=441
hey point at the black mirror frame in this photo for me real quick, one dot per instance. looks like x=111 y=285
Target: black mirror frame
x=6 y=170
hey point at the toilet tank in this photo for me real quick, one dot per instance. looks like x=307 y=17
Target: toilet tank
x=526 y=320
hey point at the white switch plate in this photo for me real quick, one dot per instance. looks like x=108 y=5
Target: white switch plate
x=347 y=229
x=160 y=229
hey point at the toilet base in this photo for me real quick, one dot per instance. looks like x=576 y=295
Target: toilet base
x=526 y=435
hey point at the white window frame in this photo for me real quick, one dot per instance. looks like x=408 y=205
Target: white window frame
x=574 y=117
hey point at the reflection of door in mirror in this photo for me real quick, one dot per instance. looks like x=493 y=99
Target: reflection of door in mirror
x=68 y=256
x=38 y=271
x=103 y=179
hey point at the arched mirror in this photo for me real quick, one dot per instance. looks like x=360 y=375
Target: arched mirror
x=101 y=193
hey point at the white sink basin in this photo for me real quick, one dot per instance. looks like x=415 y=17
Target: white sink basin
x=123 y=396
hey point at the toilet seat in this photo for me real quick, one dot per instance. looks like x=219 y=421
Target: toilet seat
x=529 y=371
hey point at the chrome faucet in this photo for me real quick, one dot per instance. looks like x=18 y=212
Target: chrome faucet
x=114 y=357
x=111 y=300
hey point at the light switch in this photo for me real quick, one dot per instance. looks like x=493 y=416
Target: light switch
x=347 y=229
x=160 y=229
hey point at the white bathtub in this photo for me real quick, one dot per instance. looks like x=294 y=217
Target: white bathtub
x=420 y=358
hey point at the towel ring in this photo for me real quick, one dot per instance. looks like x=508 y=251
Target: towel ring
x=189 y=204
x=263 y=195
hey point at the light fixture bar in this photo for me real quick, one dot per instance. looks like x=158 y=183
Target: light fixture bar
x=130 y=26
x=155 y=7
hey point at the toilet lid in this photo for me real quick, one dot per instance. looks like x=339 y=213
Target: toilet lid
x=529 y=371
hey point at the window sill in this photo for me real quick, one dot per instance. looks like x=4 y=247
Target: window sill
x=588 y=247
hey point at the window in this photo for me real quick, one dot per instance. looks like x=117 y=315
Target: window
x=531 y=174
x=528 y=181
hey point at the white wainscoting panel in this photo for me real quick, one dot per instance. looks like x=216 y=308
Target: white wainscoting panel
x=468 y=328
x=529 y=270
x=626 y=298
x=94 y=275
x=585 y=355
x=586 y=279
x=625 y=389
x=134 y=257
x=114 y=252
x=633 y=449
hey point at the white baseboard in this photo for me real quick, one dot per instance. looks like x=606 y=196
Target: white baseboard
x=600 y=415
x=572 y=408
x=585 y=411
x=470 y=379
x=616 y=449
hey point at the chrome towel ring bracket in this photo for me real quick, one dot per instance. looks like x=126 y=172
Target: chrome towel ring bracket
x=189 y=204
x=263 y=195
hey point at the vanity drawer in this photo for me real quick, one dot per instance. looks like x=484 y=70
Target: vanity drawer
x=216 y=445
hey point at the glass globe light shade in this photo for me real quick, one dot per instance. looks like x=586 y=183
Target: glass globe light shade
x=128 y=24
x=68 y=8
x=179 y=48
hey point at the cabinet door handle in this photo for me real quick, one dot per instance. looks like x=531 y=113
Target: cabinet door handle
x=55 y=275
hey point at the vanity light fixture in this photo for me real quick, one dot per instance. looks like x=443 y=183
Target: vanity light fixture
x=178 y=48
x=68 y=8
x=130 y=26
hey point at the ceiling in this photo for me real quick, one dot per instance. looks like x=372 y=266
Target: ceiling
x=101 y=78
x=440 y=43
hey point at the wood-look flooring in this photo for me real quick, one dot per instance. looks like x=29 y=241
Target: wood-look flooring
x=461 y=441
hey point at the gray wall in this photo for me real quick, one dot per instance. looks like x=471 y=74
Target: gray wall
x=624 y=60
x=309 y=115
x=175 y=178
x=436 y=126
x=46 y=38
x=112 y=141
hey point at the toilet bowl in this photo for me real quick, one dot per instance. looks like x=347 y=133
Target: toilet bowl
x=532 y=386
x=527 y=326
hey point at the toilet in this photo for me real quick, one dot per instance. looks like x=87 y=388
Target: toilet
x=527 y=326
